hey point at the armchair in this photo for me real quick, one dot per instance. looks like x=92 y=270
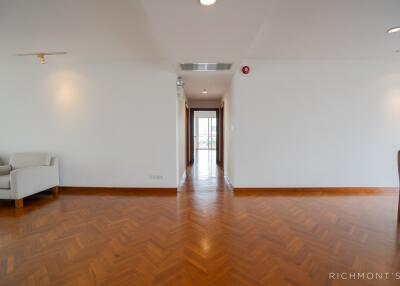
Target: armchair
x=27 y=174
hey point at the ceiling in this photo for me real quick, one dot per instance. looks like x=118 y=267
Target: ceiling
x=177 y=31
x=216 y=84
x=328 y=29
x=89 y=30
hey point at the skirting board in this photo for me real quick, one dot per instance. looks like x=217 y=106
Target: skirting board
x=115 y=189
x=331 y=190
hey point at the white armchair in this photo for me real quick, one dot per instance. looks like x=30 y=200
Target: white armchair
x=27 y=174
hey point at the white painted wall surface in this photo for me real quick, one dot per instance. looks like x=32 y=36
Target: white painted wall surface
x=204 y=103
x=110 y=124
x=228 y=156
x=181 y=132
x=316 y=124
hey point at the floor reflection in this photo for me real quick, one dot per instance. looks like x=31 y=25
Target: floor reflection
x=204 y=175
x=205 y=166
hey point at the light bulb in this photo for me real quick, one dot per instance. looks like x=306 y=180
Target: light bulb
x=207 y=2
x=393 y=30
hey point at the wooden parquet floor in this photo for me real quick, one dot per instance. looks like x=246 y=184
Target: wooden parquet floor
x=203 y=235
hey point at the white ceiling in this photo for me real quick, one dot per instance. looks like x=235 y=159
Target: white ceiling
x=179 y=31
x=328 y=29
x=216 y=84
x=89 y=30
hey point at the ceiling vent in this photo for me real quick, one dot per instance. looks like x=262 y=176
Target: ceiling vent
x=206 y=66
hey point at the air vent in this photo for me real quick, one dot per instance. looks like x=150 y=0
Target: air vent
x=206 y=66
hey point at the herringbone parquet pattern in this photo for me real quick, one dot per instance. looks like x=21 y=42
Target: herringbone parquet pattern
x=203 y=235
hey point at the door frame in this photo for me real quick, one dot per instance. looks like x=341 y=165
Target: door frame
x=187 y=135
x=221 y=136
x=191 y=132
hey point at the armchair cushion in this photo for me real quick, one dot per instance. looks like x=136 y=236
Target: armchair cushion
x=5 y=170
x=5 y=182
x=29 y=159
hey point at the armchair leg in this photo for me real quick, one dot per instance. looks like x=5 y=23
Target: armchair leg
x=19 y=203
x=55 y=191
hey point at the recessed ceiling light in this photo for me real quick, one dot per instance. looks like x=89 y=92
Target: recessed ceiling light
x=207 y=2
x=393 y=30
x=204 y=91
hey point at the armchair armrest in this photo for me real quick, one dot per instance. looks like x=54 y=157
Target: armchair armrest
x=5 y=170
x=31 y=180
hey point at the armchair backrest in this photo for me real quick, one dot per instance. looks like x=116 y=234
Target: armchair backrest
x=29 y=159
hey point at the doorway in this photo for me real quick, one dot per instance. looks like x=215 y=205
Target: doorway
x=204 y=143
x=205 y=130
x=204 y=135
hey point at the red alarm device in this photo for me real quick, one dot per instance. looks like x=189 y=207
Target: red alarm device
x=246 y=70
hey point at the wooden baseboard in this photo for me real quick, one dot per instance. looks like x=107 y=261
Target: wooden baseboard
x=328 y=190
x=119 y=189
x=111 y=191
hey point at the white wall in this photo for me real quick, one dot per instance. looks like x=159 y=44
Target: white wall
x=205 y=103
x=181 y=132
x=111 y=124
x=228 y=156
x=205 y=114
x=316 y=124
